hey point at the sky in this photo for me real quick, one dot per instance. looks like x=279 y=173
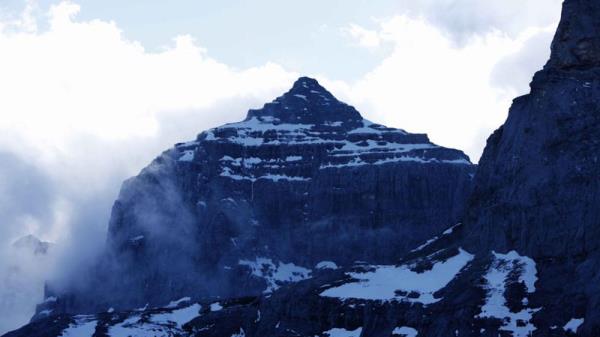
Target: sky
x=92 y=90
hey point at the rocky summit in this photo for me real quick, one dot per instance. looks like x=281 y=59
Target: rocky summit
x=304 y=183
x=524 y=260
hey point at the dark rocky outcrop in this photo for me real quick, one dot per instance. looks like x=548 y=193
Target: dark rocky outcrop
x=576 y=45
x=537 y=190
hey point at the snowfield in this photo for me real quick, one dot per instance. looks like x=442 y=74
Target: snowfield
x=389 y=283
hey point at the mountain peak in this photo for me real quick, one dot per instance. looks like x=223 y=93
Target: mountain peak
x=32 y=244
x=306 y=85
x=307 y=102
x=576 y=44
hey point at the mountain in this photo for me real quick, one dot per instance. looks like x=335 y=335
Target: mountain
x=524 y=261
x=301 y=184
x=22 y=274
x=32 y=244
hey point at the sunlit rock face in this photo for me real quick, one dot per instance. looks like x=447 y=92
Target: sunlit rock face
x=248 y=206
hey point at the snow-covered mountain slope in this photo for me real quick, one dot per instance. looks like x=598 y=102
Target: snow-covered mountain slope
x=437 y=291
x=246 y=207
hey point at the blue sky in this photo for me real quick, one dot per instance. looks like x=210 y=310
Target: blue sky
x=302 y=35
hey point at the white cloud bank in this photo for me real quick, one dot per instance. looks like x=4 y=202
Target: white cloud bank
x=78 y=94
x=458 y=93
x=463 y=19
x=82 y=107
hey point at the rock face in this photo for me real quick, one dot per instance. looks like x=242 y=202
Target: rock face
x=248 y=206
x=576 y=45
x=537 y=190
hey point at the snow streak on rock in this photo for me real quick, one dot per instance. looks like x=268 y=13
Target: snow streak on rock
x=389 y=283
x=84 y=326
x=405 y=331
x=498 y=277
x=573 y=325
x=337 y=332
x=276 y=274
x=158 y=325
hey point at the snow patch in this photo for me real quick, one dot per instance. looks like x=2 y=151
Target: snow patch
x=278 y=177
x=46 y=312
x=241 y=333
x=573 y=325
x=366 y=129
x=326 y=265
x=188 y=155
x=276 y=273
x=175 y=304
x=301 y=96
x=158 y=325
x=254 y=124
x=84 y=326
x=137 y=238
x=389 y=283
x=337 y=332
x=216 y=307
x=497 y=279
x=129 y=328
x=228 y=173
x=450 y=230
x=405 y=331
x=179 y=316
x=427 y=243
x=257 y=317
x=187 y=144
x=435 y=238
x=357 y=161
x=50 y=299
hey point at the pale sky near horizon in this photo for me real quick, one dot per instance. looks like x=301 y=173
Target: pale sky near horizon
x=92 y=90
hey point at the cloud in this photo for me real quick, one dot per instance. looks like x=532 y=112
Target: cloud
x=26 y=204
x=454 y=92
x=83 y=108
x=515 y=70
x=463 y=19
x=364 y=37
x=25 y=197
x=81 y=86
